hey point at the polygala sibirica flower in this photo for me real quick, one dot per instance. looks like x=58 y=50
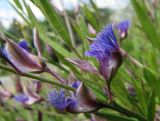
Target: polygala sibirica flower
x=122 y=28
x=106 y=49
x=83 y=100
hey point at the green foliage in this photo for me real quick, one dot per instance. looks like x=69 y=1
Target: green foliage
x=142 y=43
x=146 y=23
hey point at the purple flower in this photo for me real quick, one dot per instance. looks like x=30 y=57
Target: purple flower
x=58 y=99
x=76 y=84
x=106 y=49
x=83 y=101
x=122 y=28
x=105 y=42
x=22 y=98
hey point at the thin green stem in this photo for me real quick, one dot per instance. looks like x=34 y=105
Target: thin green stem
x=55 y=75
x=133 y=60
x=120 y=109
x=73 y=46
x=29 y=75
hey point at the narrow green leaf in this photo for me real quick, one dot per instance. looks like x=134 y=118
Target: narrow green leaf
x=114 y=117
x=82 y=31
x=90 y=16
x=140 y=95
x=22 y=15
x=151 y=107
x=18 y=4
x=42 y=32
x=60 y=50
x=152 y=80
x=55 y=20
x=146 y=22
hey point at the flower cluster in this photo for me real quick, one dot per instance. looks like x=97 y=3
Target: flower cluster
x=104 y=48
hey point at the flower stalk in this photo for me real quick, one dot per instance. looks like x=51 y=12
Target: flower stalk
x=133 y=60
x=6 y=68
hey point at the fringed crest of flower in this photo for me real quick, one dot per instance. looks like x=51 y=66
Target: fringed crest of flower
x=59 y=100
x=104 y=43
x=82 y=101
x=106 y=49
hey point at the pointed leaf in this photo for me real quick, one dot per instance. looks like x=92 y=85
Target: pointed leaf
x=147 y=25
x=54 y=19
x=114 y=117
x=151 y=108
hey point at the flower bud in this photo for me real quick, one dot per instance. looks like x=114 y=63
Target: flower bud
x=122 y=28
x=21 y=58
x=83 y=65
x=85 y=101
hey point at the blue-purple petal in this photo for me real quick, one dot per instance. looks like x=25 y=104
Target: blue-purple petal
x=21 y=98
x=76 y=84
x=124 y=25
x=104 y=44
x=58 y=99
x=24 y=44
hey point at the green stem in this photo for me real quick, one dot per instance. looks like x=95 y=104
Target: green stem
x=55 y=75
x=125 y=111
x=29 y=75
x=73 y=46
x=133 y=60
